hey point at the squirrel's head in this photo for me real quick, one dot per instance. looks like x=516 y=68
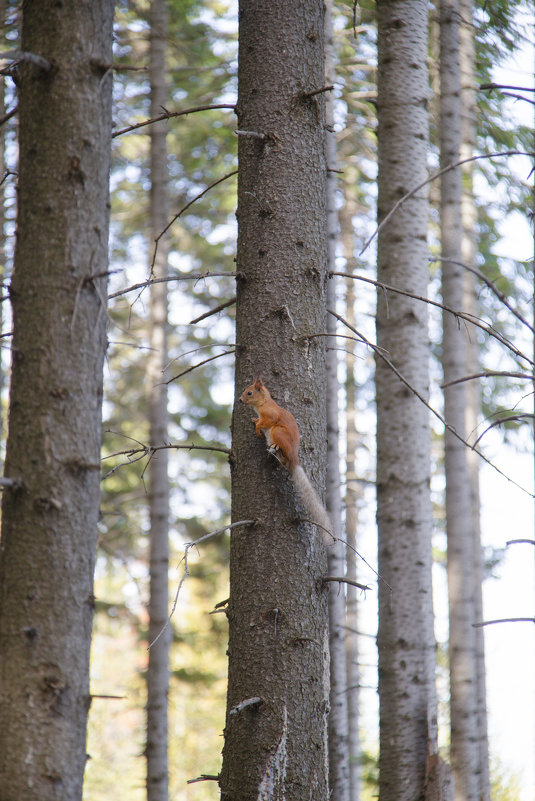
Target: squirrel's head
x=255 y=394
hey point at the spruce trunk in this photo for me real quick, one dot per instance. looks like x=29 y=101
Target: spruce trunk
x=408 y=737
x=58 y=292
x=159 y=635
x=462 y=637
x=277 y=706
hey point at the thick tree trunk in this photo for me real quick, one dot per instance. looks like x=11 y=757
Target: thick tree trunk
x=462 y=641
x=408 y=737
x=277 y=707
x=158 y=668
x=49 y=520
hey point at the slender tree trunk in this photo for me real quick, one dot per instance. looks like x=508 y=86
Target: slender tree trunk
x=473 y=390
x=408 y=736
x=277 y=706
x=158 y=669
x=351 y=519
x=3 y=250
x=463 y=684
x=338 y=716
x=49 y=519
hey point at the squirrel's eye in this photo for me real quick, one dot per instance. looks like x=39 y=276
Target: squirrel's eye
x=249 y=393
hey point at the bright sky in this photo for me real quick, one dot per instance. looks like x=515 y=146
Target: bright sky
x=508 y=514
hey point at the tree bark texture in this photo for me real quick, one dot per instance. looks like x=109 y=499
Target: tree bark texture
x=473 y=388
x=351 y=518
x=463 y=675
x=408 y=736
x=338 y=716
x=158 y=667
x=278 y=692
x=58 y=292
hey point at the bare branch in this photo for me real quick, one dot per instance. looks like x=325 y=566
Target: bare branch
x=488 y=374
x=187 y=548
x=255 y=701
x=167 y=279
x=186 y=207
x=199 y=364
x=252 y=135
x=344 y=580
x=517 y=542
x=136 y=454
x=492 y=286
x=504 y=620
x=8 y=116
x=510 y=419
x=217 y=309
x=433 y=177
x=318 y=91
x=470 y=318
x=484 y=86
x=204 y=777
x=167 y=115
x=420 y=397
x=16 y=56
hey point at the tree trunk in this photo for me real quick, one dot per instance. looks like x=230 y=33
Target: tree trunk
x=338 y=716
x=158 y=668
x=408 y=737
x=3 y=177
x=463 y=684
x=473 y=389
x=277 y=705
x=49 y=519
x=351 y=519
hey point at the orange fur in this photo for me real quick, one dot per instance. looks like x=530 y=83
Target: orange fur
x=282 y=436
x=277 y=424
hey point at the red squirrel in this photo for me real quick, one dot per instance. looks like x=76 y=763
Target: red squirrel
x=282 y=436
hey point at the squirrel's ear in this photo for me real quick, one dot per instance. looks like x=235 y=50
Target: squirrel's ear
x=258 y=382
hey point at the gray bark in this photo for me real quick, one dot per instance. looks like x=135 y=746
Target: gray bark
x=158 y=667
x=408 y=736
x=278 y=634
x=473 y=389
x=338 y=716
x=49 y=523
x=462 y=641
x=351 y=519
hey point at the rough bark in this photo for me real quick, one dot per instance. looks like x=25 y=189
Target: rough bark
x=58 y=292
x=462 y=641
x=408 y=737
x=351 y=518
x=473 y=389
x=158 y=667
x=276 y=747
x=338 y=716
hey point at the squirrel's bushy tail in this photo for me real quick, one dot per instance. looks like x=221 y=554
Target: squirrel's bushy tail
x=313 y=505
